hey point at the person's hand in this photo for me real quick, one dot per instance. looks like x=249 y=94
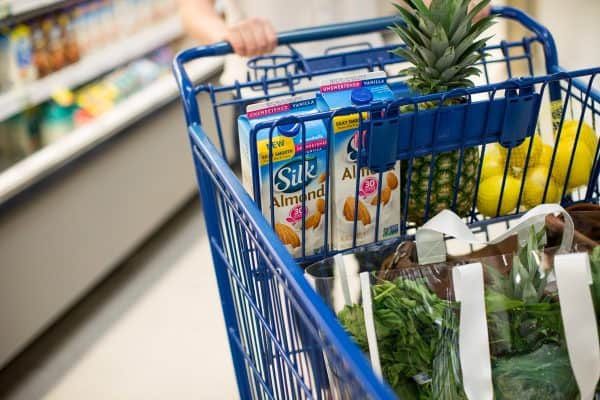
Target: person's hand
x=252 y=37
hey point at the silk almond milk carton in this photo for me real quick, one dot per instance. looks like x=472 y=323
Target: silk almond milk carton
x=294 y=178
x=358 y=90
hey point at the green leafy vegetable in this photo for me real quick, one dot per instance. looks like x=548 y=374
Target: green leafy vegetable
x=447 y=379
x=413 y=329
x=521 y=317
x=544 y=374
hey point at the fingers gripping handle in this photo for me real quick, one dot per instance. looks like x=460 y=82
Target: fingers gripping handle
x=431 y=247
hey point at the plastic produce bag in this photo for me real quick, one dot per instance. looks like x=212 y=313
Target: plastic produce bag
x=475 y=329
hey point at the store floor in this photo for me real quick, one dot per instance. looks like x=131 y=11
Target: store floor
x=152 y=330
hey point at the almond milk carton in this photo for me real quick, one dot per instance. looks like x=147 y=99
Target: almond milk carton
x=298 y=172
x=358 y=90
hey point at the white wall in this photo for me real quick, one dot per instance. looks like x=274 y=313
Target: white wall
x=575 y=25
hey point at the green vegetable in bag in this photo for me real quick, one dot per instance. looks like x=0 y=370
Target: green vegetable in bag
x=544 y=374
x=521 y=316
x=417 y=338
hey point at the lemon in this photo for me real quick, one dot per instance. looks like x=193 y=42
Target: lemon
x=489 y=195
x=491 y=168
x=582 y=163
x=535 y=183
x=494 y=152
x=518 y=155
x=493 y=162
x=587 y=135
x=546 y=155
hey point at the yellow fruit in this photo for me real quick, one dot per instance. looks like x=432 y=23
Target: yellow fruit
x=493 y=161
x=488 y=197
x=518 y=155
x=587 y=134
x=582 y=163
x=491 y=168
x=546 y=155
x=494 y=152
x=535 y=183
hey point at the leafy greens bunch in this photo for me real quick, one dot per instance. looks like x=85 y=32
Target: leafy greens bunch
x=417 y=333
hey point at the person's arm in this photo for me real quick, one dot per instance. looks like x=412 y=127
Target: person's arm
x=251 y=37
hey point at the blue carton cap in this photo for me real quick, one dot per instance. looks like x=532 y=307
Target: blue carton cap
x=289 y=130
x=361 y=96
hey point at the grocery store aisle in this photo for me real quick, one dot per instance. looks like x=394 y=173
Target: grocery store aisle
x=152 y=330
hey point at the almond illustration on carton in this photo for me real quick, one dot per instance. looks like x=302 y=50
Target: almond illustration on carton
x=313 y=221
x=386 y=193
x=322 y=177
x=363 y=212
x=321 y=206
x=287 y=235
x=392 y=180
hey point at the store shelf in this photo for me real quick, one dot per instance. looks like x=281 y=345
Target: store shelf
x=90 y=67
x=17 y=7
x=47 y=160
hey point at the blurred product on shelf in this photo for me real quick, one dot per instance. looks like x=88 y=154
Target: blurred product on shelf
x=21 y=68
x=81 y=117
x=38 y=47
x=57 y=117
x=41 y=54
x=67 y=110
x=16 y=140
x=4 y=61
x=101 y=96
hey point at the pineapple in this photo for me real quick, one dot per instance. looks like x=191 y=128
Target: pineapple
x=443 y=42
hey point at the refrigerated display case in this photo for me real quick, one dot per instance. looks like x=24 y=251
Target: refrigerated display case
x=71 y=211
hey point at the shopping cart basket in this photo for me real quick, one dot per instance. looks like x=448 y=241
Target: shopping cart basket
x=285 y=342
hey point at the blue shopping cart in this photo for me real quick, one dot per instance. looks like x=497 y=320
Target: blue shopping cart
x=285 y=342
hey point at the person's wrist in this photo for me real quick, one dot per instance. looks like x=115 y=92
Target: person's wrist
x=216 y=30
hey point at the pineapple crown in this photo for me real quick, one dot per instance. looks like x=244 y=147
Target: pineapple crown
x=442 y=43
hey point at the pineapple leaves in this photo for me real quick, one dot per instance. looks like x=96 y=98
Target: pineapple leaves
x=432 y=72
x=407 y=16
x=418 y=5
x=469 y=58
x=442 y=12
x=459 y=34
x=425 y=25
x=446 y=60
x=425 y=41
x=459 y=17
x=427 y=55
x=439 y=41
x=450 y=73
x=456 y=73
x=407 y=55
x=442 y=43
x=481 y=26
x=477 y=9
x=404 y=35
x=411 y=35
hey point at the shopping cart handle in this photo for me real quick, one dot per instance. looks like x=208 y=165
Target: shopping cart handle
x=348 y=29
x=299 y=35
x=540 y=30
x=334 y=31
